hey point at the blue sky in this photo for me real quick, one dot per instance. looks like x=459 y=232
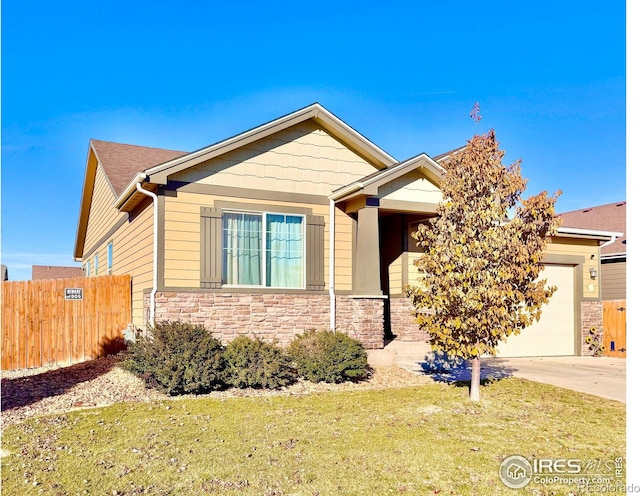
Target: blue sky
x=549 y=77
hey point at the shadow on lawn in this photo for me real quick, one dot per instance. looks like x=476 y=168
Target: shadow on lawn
x=23 y=391
x=443 y=368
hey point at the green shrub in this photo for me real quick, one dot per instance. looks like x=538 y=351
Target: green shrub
x=177 y=358
x=328 y=356
x=257 y=364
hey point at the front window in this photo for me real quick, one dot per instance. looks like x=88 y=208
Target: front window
x=263 y=249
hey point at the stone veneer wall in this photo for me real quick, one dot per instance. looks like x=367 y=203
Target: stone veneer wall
x=592 y=316
x=272 y=316
x=403 y=321
x=281 y=316
x=361 y=318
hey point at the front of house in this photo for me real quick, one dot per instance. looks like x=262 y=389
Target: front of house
x=299 y=223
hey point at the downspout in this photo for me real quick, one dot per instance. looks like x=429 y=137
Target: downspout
x=332 y=260
x=613 y=238
x=154 y=289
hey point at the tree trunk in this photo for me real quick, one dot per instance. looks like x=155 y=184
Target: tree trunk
x=474 y=390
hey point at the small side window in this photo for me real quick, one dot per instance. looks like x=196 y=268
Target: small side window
x=109 y=257
x=95 y=264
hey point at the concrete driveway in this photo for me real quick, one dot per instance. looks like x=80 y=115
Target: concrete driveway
x=599 y=376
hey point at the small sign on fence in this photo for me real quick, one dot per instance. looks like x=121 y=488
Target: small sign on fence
x=72 y=293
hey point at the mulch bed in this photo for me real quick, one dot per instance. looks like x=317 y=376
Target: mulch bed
x=53 y=390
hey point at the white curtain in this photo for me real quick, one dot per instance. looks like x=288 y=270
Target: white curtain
x=284 y=251
x=242 y=249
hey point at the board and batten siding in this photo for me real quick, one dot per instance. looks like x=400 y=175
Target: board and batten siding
x=182 y=241
x=303 y=159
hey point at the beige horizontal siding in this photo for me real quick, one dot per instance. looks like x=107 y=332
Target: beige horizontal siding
x=102 y=214
x=395 y=276
x=590 y=253
x=182 y=238
x=559 y=246
x=412 y=270
x=614 y=281
x=132 y=254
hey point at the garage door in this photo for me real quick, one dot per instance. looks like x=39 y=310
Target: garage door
x=554 y=334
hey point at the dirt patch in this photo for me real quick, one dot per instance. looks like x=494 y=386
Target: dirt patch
x=52 y=390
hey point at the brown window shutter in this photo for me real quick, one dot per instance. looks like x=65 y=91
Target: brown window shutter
x=315 y=252
x=210 y=248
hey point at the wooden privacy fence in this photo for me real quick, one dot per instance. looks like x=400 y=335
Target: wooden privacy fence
x=614 y=316
x=63 y=321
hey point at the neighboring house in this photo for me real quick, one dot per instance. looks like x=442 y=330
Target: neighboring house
x=54 y=272
x=613 y=256
x=299 y=223
x=5 y=273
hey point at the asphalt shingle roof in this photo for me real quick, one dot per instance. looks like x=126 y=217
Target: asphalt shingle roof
x=122 y=162
x=609 y=217
x=54 y=272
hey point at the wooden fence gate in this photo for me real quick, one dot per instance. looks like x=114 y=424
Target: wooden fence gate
x=63 y=321
x=615 y=328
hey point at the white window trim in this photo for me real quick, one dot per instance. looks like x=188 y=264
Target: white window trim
x=263 y=249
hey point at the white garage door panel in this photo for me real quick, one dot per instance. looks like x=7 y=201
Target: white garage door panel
x=553 y=335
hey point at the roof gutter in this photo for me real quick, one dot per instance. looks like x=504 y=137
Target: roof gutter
x=341 y=193
x=612 y=235
x=130 y=189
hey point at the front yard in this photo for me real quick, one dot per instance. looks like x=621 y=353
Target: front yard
x=427 y=439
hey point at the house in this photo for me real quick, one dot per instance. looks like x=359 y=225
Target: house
x=299 y=223
x=54 y=272
x=613 y=256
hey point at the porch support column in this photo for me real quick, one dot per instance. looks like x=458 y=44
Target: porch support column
x=367 y=277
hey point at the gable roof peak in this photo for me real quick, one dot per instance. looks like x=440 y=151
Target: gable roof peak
x=121 y=162
x=316 y=112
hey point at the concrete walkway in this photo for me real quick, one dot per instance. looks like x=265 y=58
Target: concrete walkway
x=599 y=376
